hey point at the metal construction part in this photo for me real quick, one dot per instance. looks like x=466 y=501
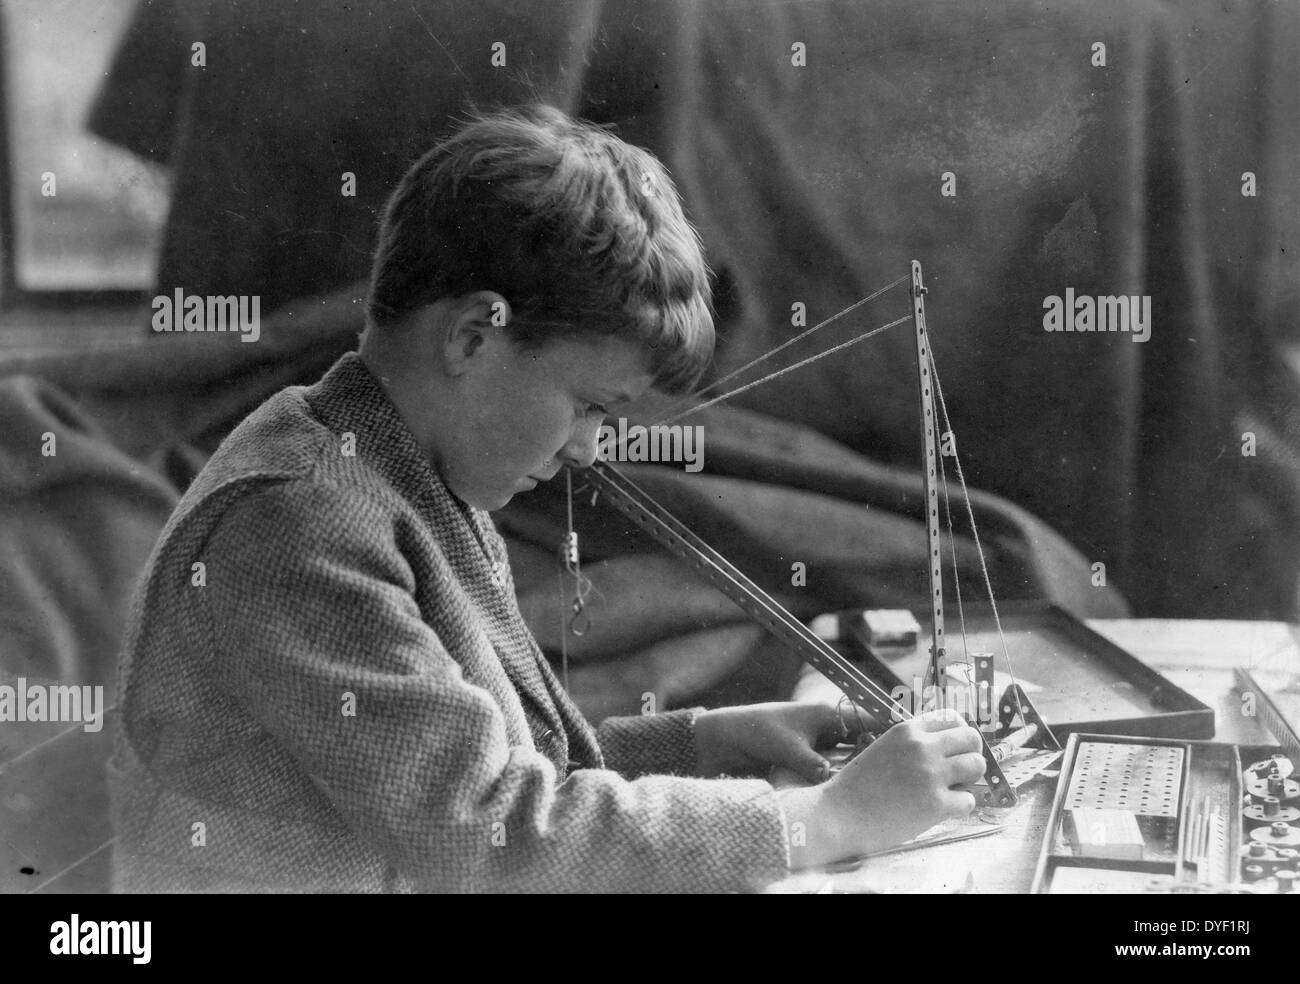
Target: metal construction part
x=984 y=682
x=651 y=517
x=1269 y=811
x=1143 y=779
x=639 y=507
x=1020 y=770
x=1277 y=834
x=1259 y=859
x=1188 y=800
x=1016 y=702
x=1207 y=839
x=1014 y=742
x=930 y=472
x=1273 y=719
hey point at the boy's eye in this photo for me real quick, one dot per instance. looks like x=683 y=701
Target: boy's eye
x=596 y=408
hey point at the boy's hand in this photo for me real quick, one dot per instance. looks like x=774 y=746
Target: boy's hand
x=900 y=786
x=756 y=737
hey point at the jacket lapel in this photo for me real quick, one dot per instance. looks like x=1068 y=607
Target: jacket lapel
x=351 y=398
x=534 y=671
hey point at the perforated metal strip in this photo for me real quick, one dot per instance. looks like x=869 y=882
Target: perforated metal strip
x=638 y=506
x=1278 y=726
x=1143 y=779
x=929 y=470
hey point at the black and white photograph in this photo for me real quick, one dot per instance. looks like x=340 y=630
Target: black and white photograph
x=651 y=447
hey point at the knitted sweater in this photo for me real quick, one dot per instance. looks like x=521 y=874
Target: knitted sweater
x=327 y=686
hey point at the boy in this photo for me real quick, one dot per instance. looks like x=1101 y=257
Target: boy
x=328 y=685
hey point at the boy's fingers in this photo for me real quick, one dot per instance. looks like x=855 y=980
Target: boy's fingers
x=957 y=741
x=966 y=768
x=957 y=802
x=941 y=720
x=808 y=763
x=842 y=722
x=827 y=725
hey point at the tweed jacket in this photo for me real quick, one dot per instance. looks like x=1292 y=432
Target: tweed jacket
x=327 y=686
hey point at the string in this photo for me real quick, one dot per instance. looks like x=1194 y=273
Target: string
x=568 y=488
x=564 y=631
x=781 y=372
x=774 y=615
x=802 y=335
x=952 y=550
x=979 y=547
x=952 y=542
x=864 y=735
x=943 y=472
x=579 y=623
x=970 y=513
x=564 y=624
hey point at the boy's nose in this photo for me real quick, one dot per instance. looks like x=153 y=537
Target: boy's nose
x=583 y=443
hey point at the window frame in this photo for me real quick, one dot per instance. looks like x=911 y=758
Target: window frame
x=16 y=299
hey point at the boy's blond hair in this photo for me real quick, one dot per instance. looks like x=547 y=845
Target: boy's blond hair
x=580 y=232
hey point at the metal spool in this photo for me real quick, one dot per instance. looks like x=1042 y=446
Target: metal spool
x=1277 y=834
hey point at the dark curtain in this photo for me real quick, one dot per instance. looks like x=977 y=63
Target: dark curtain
x=812 y=184
x=815 y=184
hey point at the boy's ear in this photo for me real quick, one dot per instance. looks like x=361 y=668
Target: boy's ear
x=475 y=318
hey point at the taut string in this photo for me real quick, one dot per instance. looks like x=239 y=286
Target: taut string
x=676 y=411
x=979 y=546
x=781 y=372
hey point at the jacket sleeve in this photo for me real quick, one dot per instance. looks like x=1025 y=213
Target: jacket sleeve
x=311 y=600
x=651 y=743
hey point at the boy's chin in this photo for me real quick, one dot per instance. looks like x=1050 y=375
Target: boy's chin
x=490 y=501
x=487 y=503
x=491 y=497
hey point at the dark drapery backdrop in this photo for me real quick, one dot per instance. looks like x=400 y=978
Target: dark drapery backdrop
x=816 y=184
x=813 y=183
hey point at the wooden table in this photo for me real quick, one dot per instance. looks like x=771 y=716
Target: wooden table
x=1198 y=656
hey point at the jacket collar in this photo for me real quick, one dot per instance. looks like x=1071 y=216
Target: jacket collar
x=350 y=398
